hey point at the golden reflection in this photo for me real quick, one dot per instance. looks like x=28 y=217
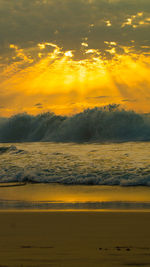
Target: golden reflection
x=75 y=194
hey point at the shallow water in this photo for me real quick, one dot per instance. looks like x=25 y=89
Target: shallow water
x=62 y=197
x=126 y=164
x=75 y=176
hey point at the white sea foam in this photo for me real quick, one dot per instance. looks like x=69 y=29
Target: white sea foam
x=125 y=164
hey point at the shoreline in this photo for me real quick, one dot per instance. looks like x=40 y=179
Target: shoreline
x=53 y=197
x=72 y=211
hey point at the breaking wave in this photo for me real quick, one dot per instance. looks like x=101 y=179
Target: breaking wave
x=109 y=123
x=11 y=149
x=124 y=163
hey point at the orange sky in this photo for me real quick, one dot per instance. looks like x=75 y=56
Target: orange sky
x=68 y=76
x=59 y=83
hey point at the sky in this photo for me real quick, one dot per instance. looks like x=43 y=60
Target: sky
x=68 y=55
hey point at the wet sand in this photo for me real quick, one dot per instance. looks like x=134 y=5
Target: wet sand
x=74 y=239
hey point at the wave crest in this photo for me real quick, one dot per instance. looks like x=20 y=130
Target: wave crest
x=109 y=123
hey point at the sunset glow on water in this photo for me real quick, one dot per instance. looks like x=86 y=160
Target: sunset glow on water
x=74 y=133
x=75 y=176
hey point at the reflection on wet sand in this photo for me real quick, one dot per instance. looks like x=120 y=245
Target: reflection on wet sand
x=62 y=197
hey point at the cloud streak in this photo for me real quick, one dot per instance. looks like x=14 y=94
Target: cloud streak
x=63 y=52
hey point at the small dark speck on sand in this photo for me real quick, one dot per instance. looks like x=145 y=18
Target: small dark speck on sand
x=26 y=247
x=118 y=248
x=36 y=247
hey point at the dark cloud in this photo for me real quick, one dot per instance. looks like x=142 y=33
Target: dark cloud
x=38 y=105
x=98 y=97
x=67 y=22
x=129 y=100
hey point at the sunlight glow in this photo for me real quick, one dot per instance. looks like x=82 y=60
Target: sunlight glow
x=64 y=85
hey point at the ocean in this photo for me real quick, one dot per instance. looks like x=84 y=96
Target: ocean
x=75 y=176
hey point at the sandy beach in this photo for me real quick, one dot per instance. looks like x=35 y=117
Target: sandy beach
x=74 y=239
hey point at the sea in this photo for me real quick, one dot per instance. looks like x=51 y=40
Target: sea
x=49 y=176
